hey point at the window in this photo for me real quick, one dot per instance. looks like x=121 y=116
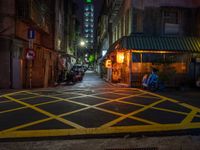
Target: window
x=152 y=57
x=171 y=22
x=171 y=17
x=136 y=57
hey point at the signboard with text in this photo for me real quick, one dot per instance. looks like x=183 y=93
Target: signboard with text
x=30 y=54
x=31 y=33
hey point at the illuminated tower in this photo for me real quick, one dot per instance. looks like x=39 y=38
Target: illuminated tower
x=89 y=23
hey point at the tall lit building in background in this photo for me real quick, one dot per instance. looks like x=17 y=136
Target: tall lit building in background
x=89 y=23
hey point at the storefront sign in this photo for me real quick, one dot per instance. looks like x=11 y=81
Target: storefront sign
x=108 y=63
x=31 y=33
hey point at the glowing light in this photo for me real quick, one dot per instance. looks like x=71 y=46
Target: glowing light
x=120 y=57
x=82 y=43
x=108 y=63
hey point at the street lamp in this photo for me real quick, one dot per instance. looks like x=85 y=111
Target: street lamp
x=82 y=43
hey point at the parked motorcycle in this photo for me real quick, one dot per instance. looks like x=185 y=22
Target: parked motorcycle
x=74 y=75
x=71 y=77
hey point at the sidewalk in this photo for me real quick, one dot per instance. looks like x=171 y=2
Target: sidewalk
x=126 y=143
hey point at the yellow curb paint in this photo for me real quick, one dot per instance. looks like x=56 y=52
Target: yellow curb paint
x=95 y=131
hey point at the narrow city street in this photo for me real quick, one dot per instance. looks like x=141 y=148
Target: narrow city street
x=99 y=75
x=93 y=107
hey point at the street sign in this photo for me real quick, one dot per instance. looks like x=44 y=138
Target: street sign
x=31 y=33
x=30 y=54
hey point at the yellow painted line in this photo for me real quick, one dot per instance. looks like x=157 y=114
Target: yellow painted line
x=46 y=113
x=12 y=93
x=96 y=131
x=131 y=103
x=5 y=102
x=25 y=125
x=55 y=94
x=80 y=94
x=123 y=94
x=144 y=120
x=27 y=98
x=130 y=114
x=160 y=96
x=145 y=96
x=19 y=108
x=190 y=107
x=75 y=102
x=87 y=107
x=189 y=118
x=50 y=102
x=130 y=117
x=171 y=111
x=67 y=100
x=41 y=121
x=11 y=110
x=117 y=99
x=157 y=108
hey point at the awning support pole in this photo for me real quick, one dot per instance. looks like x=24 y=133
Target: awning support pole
x=130 y=69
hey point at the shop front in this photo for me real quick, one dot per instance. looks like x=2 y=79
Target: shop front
x=134 y=56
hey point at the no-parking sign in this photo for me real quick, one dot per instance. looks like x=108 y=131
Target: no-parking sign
x=30 y=54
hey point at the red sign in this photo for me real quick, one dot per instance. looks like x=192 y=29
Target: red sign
x=30 y=54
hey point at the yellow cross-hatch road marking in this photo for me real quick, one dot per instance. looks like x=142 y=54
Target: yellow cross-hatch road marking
x=62 y=99
x=130 y=114
x=189 y=118
x=106 y=128
x=12 y=93
x=46 y=113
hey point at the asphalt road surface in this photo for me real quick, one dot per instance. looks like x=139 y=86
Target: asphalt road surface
x=93 y=107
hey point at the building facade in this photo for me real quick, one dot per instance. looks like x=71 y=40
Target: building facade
x=89 y=24
x=140 y=27
x=18 y=17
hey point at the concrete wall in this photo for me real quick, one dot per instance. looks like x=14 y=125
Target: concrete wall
x=5 y=79
x=151 y=13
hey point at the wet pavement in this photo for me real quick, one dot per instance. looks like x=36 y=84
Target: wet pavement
x=90 y=108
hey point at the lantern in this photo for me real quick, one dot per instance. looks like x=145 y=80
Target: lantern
x=120 y=57
x=108 y=63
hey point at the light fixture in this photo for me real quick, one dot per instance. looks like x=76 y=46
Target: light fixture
x=120 y=57
x=82 y=43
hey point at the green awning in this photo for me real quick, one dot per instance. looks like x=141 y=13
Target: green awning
x=181 y=44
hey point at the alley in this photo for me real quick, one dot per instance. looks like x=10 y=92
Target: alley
x=91 y=107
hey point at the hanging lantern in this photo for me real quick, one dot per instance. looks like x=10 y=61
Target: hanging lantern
x=120 y=57
x=108 y=63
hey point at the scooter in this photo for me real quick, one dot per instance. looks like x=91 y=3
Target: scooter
x=71 y=77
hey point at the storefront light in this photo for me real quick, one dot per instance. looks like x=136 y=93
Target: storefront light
x=120 y=57
x=108 y=63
